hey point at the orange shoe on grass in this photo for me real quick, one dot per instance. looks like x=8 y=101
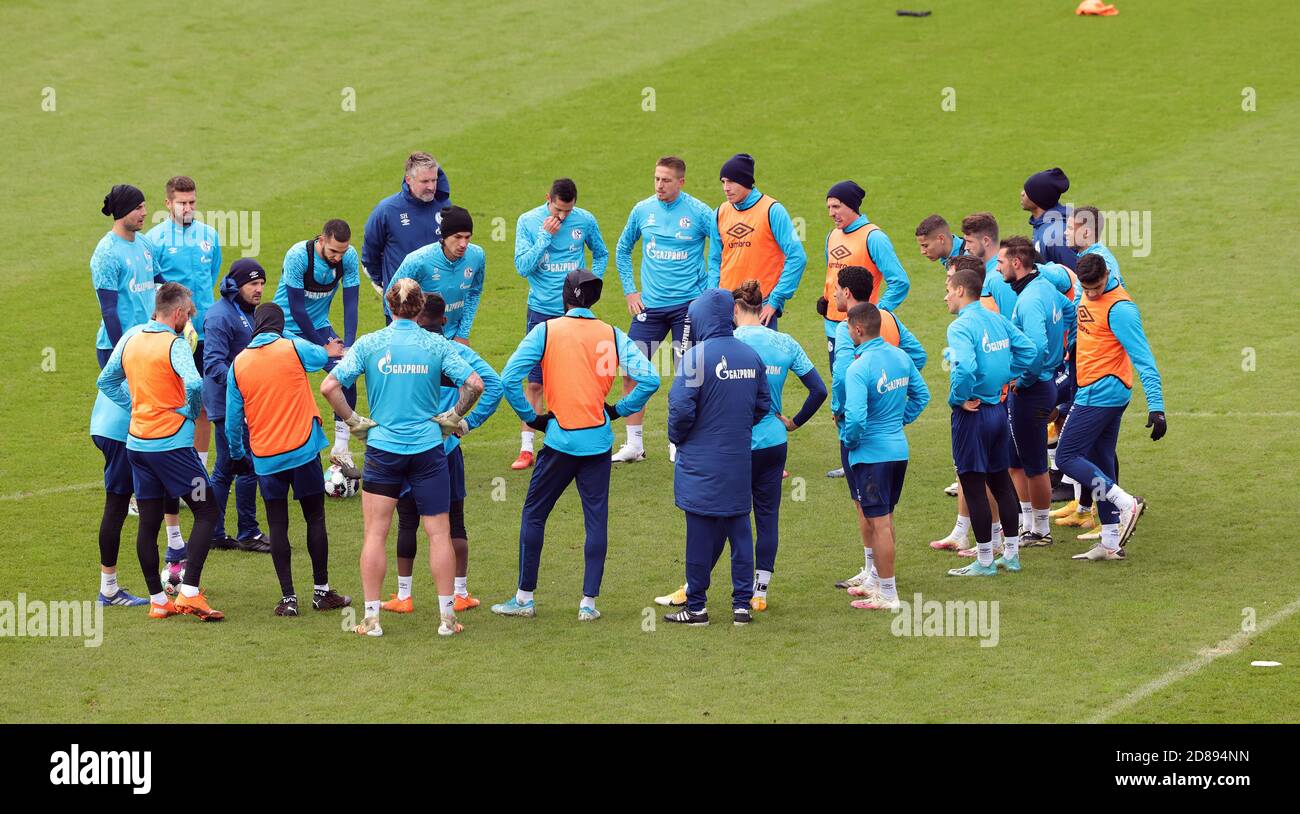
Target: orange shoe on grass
x=464 y=603
x=197 y=606
x=162 y=611
x=524 y=460
x=396 y=605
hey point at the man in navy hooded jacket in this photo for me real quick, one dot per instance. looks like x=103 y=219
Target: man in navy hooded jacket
x=718 y=395
x=405 y=220
x=228 y=328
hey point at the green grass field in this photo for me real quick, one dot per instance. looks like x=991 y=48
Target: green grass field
x=1144 y=111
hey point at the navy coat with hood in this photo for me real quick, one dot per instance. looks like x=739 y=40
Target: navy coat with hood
x=400 y=224
x=718 y=395
x=227 y=329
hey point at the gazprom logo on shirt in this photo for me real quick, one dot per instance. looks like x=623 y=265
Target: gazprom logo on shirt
x=722 y=372
x=664 y=254
x=561 y=267
x=774 y=370
x=990 y=347
x=1057 y=314
x=141 y=286
x=885 y=384
x=387 y=367
x=317 y=295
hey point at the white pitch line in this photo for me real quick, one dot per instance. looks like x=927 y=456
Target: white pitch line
x=76 y=487
x=1226 y=647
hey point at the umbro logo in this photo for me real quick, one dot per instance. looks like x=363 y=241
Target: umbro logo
x=1084 y=316
x=840 y=252
x=740 y=230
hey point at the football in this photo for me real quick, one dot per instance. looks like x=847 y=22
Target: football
x=338 y=485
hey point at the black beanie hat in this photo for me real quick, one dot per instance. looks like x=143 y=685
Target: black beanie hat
x=456 y=219
x=849 y=194
x=121 y=201
x=246 y=270
x=581 y=289
x=268 y=318
x=739 y=168
x=1046 y=188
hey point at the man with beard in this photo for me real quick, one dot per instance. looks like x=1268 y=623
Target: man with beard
x=229 y=330
x=453 y=268
x=405 y=220
x=314 y=271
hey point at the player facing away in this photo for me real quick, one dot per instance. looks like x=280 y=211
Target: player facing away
x=151 y=374
x=404 y=365
x=856 y=241
x=314 y=271
x=756 y=241
x=937 y=242
x=550 y=242
x=883 y=392
x=1111 y=343
x=673 y=228
x=985 y=352
x=432 y=318
x=189 y=253
x=453 y=268
x=719 y=393
x=781 y=355
x=1044 y=315
x=267 y=393
x=580 y=357
x=855 y=289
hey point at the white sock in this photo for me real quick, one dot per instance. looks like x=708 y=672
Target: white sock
x=1119 y=498
x=1041 y=521
x=1082 y=509
x=984 y=552
x=588 y=602
x=997 y=533
x=204 y=456
x=887 y=588
x=372 y=609
x=1011 y=547
x=523 y=597
x=1078 y=490
x=107 y=583
x=174 y=538
x=1026 y=516
x=871 y=563
x=462 y=586
x=761 y=580
x=634 y=436
x=526 y=441
x=963 y=526
x=866 y=559
x=189 y=591
x=341 y=436
x=404 y=587
x=324 y=589
x=446 y=605
x=1110 y=537
x=158 y=598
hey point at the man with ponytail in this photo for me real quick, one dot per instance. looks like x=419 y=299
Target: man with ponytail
x=404 y=365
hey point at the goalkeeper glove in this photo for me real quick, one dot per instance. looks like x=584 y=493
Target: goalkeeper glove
x=359 y=425
x=241 y=466
x=822 y=305
x=191 y=336
x=612 y=412
x=452 y=422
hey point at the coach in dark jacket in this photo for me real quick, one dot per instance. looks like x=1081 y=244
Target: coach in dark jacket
x=228 y=328
x=406 y=220
x=718 y=395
